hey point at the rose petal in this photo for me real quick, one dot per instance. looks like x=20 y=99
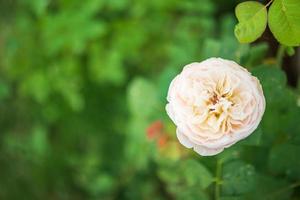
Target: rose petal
x=183 y=139
x=204 y=151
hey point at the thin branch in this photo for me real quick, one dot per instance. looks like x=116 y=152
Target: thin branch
x=268 y=3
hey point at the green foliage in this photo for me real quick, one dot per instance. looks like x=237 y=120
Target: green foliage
x=186 y=179
x=284 y=21
x=142 y=97
x=270 y=188
x=4 y=90
x=83 y=88
x=252 y=17
x=238 y=178
x=186 y=173
x=289 y=167
x=290 y=51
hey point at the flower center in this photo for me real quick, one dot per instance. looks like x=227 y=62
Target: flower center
x=219 y=104
x=214 y=99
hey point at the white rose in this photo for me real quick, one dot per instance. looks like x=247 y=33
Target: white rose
x=214 y=104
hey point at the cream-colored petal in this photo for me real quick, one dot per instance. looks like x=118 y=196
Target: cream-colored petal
x=204 y=151
x=170 y=112
x=183 y=139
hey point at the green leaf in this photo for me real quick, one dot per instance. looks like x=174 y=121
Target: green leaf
x=284 y=21
x=37 y=85
x=252 y=17
x=269 y=188
x=186 y=174
x=238 y=178
x=106 y=69
x=138 y=148
x=290 y=50
x=254 y=139
x=142 y=97
x=38 y=140
x=279 y=121
x=78 y=31
x=273 y=81
x=195 y=173
x=284 y=159
x=185 y=179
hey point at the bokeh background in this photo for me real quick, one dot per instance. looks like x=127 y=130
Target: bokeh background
x=83 y=87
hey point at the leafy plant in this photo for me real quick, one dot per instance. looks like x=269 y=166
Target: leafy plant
x=283 y=19
x=83 y=88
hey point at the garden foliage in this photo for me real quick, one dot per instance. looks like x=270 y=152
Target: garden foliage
x=83 y=89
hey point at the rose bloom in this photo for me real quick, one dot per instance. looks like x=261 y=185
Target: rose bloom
x=214 y=104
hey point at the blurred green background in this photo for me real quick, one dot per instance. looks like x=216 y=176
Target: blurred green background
x=83 y=87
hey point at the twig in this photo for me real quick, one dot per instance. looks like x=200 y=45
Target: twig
x=268 y=3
